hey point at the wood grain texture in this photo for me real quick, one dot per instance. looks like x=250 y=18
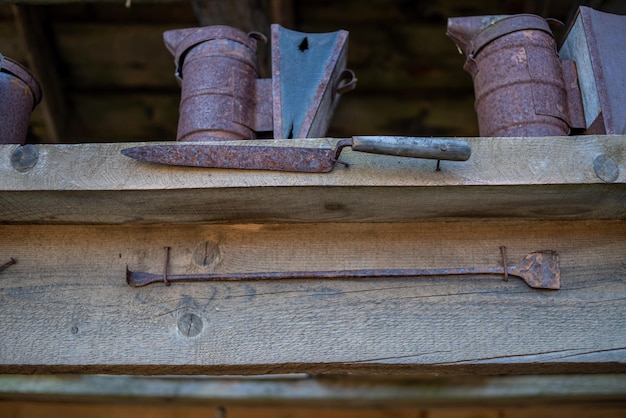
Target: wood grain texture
x=301 y=390
x=66 y=307
x=140 y=59
x=76 y=410
x=364 y=113
x=539 y=178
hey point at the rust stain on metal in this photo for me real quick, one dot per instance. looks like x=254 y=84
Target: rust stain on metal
x=217 y=69
x=522 y=88
x=296 y=159
x=539 y=270
x=223 y=98
x=19 y=94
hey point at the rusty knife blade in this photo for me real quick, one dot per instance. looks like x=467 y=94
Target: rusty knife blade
x=253 y=157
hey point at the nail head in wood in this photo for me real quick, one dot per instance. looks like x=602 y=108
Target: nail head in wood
x=24 y=158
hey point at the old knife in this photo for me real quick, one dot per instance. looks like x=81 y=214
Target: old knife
x=300 y=155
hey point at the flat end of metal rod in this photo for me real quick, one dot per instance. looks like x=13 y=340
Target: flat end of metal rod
x=130 y=277
x=133 y=280
x=540 y=270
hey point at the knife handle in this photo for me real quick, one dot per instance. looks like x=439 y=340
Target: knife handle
x=429 y=148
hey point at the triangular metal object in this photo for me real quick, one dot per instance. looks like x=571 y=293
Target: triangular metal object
x=308 y=75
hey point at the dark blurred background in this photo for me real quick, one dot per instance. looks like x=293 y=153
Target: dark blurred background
x=107 y=76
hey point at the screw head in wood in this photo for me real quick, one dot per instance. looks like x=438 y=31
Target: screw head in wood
x=24 y=157
x=605 y=168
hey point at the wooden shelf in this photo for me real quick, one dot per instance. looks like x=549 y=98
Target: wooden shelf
x=76 y=219
x=67 y=308
x=330 y=391
x=506 y=178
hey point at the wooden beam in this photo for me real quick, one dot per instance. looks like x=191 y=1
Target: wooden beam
x=505 y=178
x=247 y=15
x=282 y=12
x=327 y=391
x=34 y=31
x=50 y=2
x=67 y=308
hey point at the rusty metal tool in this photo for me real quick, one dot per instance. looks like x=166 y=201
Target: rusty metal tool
x=539 y=270
x=303 y=155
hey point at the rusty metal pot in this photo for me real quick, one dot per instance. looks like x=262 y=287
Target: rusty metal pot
x=522 y=88
x=217 y=69
x=19 y=94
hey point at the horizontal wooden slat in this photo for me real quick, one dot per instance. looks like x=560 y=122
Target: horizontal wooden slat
x=538 y=178
x=326 y=391
x=77 y=410
x=54 y=2
x=66 y=307
x=442 y=114
x=105 y=117
x=117 y=55
x=404 y=58
x=10 y=42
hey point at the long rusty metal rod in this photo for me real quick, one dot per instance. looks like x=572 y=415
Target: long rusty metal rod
x=539 y=270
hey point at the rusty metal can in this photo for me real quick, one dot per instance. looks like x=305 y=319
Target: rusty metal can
x=19 y=94
x=518 y=77
x=217 y=69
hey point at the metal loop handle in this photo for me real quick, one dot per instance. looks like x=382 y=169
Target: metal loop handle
x=257 y=36
x=346 y=82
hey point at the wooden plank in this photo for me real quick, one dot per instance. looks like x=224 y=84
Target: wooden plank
x=352 y=12
x=31 y=410
x=134 y=115
x=330 y=391
x=506 y=178
x=439 y=115
x=282 y=12
x=10 y=43
x=47 y=409
x=117 y=56
x=53 y=2
x=396 y=59
x=605 y=412
x=66 y=307
x=248 y=15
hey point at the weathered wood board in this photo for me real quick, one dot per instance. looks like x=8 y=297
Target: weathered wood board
x=138 y=58
x=505 y=178
x=325 y=391
x=79 y=410
x=65 y=306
